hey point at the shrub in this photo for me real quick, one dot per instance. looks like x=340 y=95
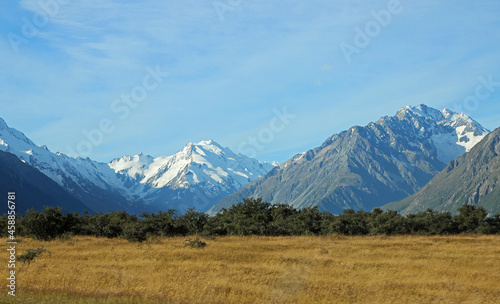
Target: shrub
x=66 y=236
x=45 y=225
x=196 y=243
x=282 y=222
x=134 y=232
x=109 y=225
x=29 y=255
x=470 y=219
x=307 y=221
x=492 y=225
x=3 y=225
x=431 y=222
x=249 y=217
x=162 y=223
x=389 y=223
x=350 y=223
x=192 y=222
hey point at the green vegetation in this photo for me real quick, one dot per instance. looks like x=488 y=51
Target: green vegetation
x=196 y=243
x=252 y=217
x=30 y=254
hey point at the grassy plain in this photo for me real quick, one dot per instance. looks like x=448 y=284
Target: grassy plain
x=313 y=269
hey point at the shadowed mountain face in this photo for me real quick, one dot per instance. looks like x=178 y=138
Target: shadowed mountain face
x=33 y=189
x=370 y=166
x=472 y=179
x=91 y=182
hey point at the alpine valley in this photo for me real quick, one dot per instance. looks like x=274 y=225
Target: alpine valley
x=196 y=177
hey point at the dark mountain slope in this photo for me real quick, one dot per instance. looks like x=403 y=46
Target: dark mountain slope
x=33 y=189
x=472 y=179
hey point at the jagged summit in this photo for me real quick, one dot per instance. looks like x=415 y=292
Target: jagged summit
x=452 y=133
x=11 y=139
x=446 y=116
x=208 y=142
x=420 y=111
x=204 y=163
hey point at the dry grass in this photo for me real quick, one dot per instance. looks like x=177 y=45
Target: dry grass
x=336 y=269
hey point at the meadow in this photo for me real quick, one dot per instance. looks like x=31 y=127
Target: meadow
x=258 y=269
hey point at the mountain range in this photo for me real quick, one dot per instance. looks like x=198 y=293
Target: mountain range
x=196 y=177
x=385 y=163
x=368 y=166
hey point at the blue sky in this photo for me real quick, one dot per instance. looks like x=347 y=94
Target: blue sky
x=232 y=64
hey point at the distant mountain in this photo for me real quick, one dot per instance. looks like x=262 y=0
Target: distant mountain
x=370 y=166
x=33 y=189
x=197 y=176
x=471 y=179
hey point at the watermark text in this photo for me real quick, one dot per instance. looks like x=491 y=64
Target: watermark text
x=11 y=243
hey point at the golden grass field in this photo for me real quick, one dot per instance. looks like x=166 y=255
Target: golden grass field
x=313 y=269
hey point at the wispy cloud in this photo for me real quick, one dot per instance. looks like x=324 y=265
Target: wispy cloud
x=226 y=76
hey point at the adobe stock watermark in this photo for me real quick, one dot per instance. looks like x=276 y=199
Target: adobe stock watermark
x=30 y=28
x=122 y=107
x=11 y=241
x=483 y=91
x=372 y=29
x=257 y=143
x=224 y=6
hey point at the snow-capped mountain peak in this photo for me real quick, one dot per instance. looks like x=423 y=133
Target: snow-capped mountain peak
x=423 y=113
x=420 y=111
x=133 y=165
x=452 y=133
x=12 y=139
x=205 y=163
x=462 y=120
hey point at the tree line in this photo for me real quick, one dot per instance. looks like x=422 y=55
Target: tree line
x=250 y=217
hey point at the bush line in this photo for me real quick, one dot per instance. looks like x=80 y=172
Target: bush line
x=250 y=217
